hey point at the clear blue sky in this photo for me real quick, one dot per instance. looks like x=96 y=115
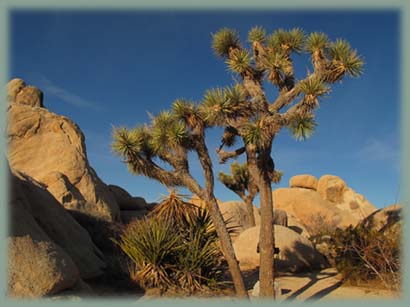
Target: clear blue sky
x=111 y=68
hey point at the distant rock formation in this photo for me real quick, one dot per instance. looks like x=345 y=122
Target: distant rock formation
x=331 y=204
x=50 y=148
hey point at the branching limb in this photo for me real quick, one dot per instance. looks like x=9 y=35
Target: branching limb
x=226 y=155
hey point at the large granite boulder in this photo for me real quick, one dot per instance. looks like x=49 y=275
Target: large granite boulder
x=236 y=215
x=303 y=181
x=331 y=188
x=37 y=266
x=296 y=252
x=50 y=148
x=57 y=223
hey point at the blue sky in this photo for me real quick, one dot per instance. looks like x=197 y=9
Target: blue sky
x=111 y=68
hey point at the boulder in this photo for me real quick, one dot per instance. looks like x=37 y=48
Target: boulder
x=236 y=215
x=331 y=188
x=50 y=148
x=59 y=226
x=355 y=204
x=307 y=206
x=125 y=201
x=303 y=181
x=38 y=268
x=297 y=226
x=14 y=87
x=296 y=252
x=30 y=96
x=384 y=218
x=280 y=217
x=36 y=265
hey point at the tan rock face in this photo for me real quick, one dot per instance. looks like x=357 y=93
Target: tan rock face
x=38 y=268
x=296 y=252
x=56 y=223
x=235 y=213
x=384 y=218
x=307 y=206
x=331 y=188
x=13 y=88
x=50 y=148
x=30 y=96
x=303 y=181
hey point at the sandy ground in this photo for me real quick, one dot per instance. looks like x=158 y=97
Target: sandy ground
x=324 y=285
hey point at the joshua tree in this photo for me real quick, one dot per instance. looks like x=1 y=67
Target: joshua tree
x=240 y=181
x=245 y=111
x=169 y=138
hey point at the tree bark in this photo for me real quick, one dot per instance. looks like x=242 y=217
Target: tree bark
x=226 y=246
x=266 y=240
x=249 y=209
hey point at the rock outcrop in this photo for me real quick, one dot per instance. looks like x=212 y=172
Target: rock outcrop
x=37 y=265
x=57 y=224
x=236 y=216
x=50 y=148
x=303 y=181
x=296 y=252
x=333 y=205
x=384 y=219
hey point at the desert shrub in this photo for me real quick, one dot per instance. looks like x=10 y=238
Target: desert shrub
x=364 y=254
x=175 y=246
x=319 y=225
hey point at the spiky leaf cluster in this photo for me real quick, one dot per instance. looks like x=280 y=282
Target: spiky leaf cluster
x=312 y=88
x=239 y=61
x=224 y=40
x=239 y=179
x=344 y=60
x=256 y=134
x=219 y=104
x=316 y=41
x=302 y=126
x=287 y=40
x=257 y=34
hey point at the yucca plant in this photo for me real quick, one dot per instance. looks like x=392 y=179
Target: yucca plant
x=302 y=126
x=152 y=245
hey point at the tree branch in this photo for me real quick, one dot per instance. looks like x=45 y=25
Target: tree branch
x=226 y=155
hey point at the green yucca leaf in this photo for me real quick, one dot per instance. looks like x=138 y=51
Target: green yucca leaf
x=344 y=60
x=235 y=94
x=128 y=143
x=211 y=107
x=340 y=49
x=182 y=109
x=316 y=41
x=312 y=88
x=257 y=34
x=254 y=134
x=239 y=61
x=302 y=126
x=178 y=134
x=287 y=40
x=224 y=40
x=275 y=60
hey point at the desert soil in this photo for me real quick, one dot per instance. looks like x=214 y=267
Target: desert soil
x=324 y=285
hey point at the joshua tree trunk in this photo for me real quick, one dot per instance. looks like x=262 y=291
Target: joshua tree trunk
x=249 y=208
x=226 y=245
x=266 y=239
x=217 y=218
x=259 y=168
